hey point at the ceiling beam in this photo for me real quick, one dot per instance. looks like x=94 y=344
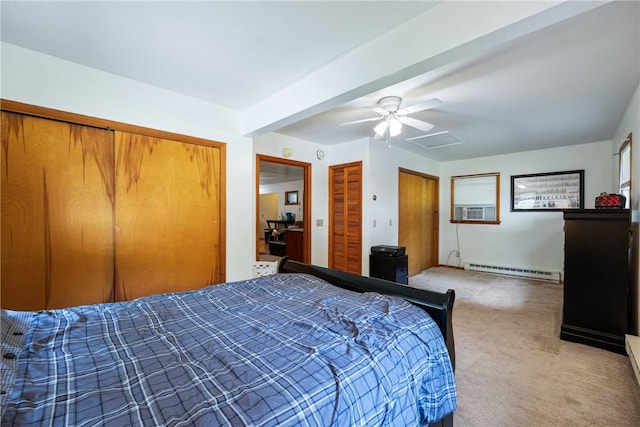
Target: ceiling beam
x=446 y=33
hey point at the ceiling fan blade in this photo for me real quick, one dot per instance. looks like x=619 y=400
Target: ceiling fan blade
x=415 y=123
x=421 y=106
x=370 y=119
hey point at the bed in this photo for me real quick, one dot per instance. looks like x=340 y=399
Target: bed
x=296 y=348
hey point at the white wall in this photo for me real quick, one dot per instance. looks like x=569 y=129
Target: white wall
x=522 y=239
x=46 y=81
x=630 y=123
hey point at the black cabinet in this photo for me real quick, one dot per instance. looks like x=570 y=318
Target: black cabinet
x=388 y=267
x=294 y=238
x=596 y=278
x=277 y=248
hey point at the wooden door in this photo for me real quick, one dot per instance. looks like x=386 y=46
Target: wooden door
x=57 y=213
x=168 y=216
x=345 y=217
x=418 y=219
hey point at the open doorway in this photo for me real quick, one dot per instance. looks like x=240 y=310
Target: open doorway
x=283 y=208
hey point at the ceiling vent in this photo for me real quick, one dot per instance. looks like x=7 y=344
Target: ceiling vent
x=436 y=140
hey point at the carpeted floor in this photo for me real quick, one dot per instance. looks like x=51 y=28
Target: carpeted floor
x=512 y=369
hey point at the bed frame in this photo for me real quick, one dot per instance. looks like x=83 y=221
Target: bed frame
x=438 y=305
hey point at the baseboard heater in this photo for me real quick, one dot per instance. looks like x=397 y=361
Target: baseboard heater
x=548 y=276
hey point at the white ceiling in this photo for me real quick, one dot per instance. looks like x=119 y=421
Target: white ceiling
x=560 y=75
x=277 y=173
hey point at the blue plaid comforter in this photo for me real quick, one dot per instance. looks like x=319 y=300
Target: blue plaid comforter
x=280 y=350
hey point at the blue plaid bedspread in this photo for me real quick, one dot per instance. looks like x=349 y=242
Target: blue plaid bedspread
x=280 y=350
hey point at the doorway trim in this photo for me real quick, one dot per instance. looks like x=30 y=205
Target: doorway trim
x=306 y=201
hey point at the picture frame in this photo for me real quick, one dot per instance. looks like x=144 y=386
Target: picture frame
x=291 y=198
x=549 y=191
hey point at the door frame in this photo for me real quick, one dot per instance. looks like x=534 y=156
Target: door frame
x=306 y=201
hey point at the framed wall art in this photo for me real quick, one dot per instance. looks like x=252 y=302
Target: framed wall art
x=552 y=191
x=291 y=198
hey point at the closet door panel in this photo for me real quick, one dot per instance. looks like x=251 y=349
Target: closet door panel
x=353 y=177
x=338 y=250
x=345 y=224
x=57 y=213
x=167 y=216
x=410 y=202
x=417 y=220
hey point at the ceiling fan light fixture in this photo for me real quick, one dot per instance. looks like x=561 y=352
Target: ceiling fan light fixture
x=380 y=128
x=392 y=118
x=395 y=127
x=390 y=103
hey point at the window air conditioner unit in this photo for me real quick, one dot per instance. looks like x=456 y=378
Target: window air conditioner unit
x=474 y=213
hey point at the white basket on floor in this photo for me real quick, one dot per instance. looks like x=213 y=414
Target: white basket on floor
x=264 y=268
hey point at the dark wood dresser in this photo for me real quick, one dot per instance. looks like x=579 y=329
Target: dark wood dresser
x=294 y=237
x=597 y=273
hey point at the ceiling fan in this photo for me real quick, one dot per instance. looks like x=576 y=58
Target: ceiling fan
x=392 y=117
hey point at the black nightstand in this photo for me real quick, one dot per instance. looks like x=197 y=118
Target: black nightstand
x=393 y=268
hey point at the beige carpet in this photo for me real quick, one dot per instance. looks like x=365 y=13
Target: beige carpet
x=512 y=369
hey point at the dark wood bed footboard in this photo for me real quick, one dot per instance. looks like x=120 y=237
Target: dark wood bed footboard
x=438 y=305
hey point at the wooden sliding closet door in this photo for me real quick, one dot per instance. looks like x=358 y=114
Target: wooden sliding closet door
x=57 y=213
x=345 y=220
x=168 y=212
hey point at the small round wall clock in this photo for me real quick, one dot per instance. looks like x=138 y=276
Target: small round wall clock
x=320 y=154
